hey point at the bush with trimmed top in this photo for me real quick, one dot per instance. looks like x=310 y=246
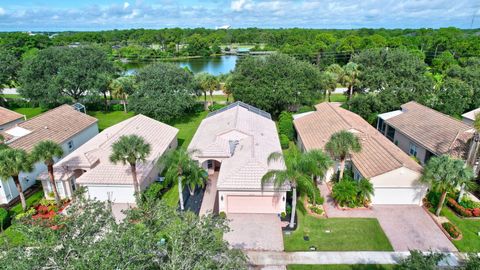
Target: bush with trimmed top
x=284 y=141
x=452 y=230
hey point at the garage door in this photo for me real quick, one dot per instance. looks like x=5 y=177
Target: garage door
x=398 y=196
x=253 y=204
x=116 y=194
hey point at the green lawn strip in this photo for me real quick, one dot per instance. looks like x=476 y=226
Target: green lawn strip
x=346 y=234
x=12 y=96
x=171 y=196
x=469 y=228
x=30 y=112
x=342 y=267
x=187 y=127
x=33 y=199
x=109 y=119
x=216 y=98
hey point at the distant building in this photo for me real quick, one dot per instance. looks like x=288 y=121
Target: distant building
x=223 y=27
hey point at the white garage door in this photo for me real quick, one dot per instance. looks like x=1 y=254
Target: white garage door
x=398 y=196
x=253 y=204
x=116 y=194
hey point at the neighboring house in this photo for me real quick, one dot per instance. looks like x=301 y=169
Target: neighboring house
x=469 y=117
x=233 y=144
x=9 y=118
x=394 y=175
x=423 y=132
x=89 y=166
x=63 y=125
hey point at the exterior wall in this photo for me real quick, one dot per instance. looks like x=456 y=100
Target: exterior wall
x=279 y=204
x=114 y=193
x=403 y=143
x=467 y=121
x=29 y=179
x=11 y=124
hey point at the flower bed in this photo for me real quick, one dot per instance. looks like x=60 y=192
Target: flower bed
x=314 y=210
x=452 y=230
x=47 y=209
x=462 y=211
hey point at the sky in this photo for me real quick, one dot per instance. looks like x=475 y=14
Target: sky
x=61 y=15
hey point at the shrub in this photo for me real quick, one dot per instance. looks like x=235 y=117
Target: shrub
x=457 y=208
x=318 y=197
x=476 y=212
x=283 y=215
x=452 y=230
x=153 y=192
x=316 y=210
x=284 y=141
x=117 y=107
x=285 y=125
x=215 y=107
x=4 y=219
x=345 y=193
x=222 y=215
x=467 y=203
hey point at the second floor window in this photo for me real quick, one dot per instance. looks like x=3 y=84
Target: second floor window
x=413 y=150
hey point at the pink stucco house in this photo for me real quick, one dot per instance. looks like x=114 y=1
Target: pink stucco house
x=233 y=145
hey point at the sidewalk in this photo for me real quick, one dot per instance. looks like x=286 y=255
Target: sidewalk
x=336 y=257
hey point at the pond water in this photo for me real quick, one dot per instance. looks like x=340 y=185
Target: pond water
x=214 y=65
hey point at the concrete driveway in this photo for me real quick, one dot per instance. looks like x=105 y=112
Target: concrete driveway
x=406 y=226
x=255 y=232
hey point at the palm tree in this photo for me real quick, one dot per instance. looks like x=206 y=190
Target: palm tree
x=121 y=88
x=443 y=174
x=178 y=164
x=340 y=145
x=227 y=87
x=12 y=162
x=316 y=162
x=365 y=190
x=130 y=149
x=350 y=78
x=46 y=152
x=329 y=83
x=195 y=176
x=294 y=174
x=207 y=83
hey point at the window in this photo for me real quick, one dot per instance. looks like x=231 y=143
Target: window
x=70 y=145
x=390 y=133
x=413 y=150
x=381 y=125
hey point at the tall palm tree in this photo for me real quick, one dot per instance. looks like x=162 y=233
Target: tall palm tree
x=341 y=145
x=365 y=190
x=350 y=78
x=227 y=87
x=329 y=83
x=46 y=152
x=179 y=164
x=207 y=83
x=443 y=174
x=316 y=162
x=195 y=176
x=121 y=88
x=12 y=162
x=130 y=149
x=295 y=174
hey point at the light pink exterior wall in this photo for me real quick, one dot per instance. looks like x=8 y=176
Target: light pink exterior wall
x=252 y=202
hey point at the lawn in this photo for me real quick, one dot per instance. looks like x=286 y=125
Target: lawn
x=337 y=234
x=342 y=267
x=108 y=119
x=171 y=196
x=31 y=200
x=30 y=112
x=187 y=126
x=216 y=98
x=470 y=229
x=12 y=96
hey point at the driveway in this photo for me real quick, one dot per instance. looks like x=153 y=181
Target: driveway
x=406 y=226
x=255 y=232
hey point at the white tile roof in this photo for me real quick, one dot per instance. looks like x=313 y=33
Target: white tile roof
x=93 y=156
x=243 y=140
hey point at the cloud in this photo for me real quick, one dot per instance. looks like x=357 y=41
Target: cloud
x=242 y=13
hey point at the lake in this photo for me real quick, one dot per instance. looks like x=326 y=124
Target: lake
x=214 y=65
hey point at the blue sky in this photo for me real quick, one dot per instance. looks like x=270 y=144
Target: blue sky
x=34 y=15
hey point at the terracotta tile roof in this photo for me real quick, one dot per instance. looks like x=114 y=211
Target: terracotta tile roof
x=378 y=155
x=243 y=139
x=58 y=125
x=7 y=116
x=433 y=130
x=94 y=155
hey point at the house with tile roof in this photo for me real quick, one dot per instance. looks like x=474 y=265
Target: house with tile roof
x=469 y=117
x=394 y=175
x=89 y=165
x=9 y=118
x=63 y=125
x=233 y=145
x=423 y=132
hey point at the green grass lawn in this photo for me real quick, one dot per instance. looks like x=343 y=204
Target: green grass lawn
x=33 y=199
x=171 y=196
x=470 y=229
x=12 y=96
x=187 y=127
x=30 y=112
x=108 y=119
x=346 y=234
x=337 y=98
x=216 y=98
x=342 y=267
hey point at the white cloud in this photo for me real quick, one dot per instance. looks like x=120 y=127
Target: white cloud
x=126 y=5
x=2 y=11
x=239 y=5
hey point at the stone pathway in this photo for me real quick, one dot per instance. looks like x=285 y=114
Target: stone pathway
x=406 y=226
x=334 y=257
x=208 y=202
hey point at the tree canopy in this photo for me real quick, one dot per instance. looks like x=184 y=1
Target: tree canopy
x=275 y=83
x=164 y=92
x=59 y=74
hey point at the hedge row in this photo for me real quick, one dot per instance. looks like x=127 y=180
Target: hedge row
x=462 y=211
x=452 y=230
